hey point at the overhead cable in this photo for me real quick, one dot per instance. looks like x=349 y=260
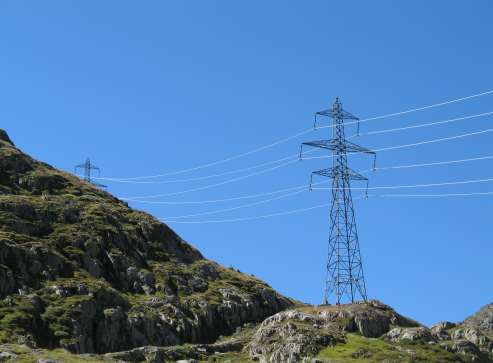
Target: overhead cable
x=426 y=124
x=235 y=171
x=303 y=132
x=301 y=210
x=415 y=109
x=250 y=196
x=441 y=195
x=293 y=156
x=238 y=207
x=215 y=184
x=419 y=185
x=293 y=211
x=304 y=190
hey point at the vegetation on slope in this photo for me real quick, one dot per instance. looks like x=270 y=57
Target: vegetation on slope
x=82 y=271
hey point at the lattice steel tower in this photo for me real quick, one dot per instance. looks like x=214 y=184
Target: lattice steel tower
x=88 y=168
x=345 y=278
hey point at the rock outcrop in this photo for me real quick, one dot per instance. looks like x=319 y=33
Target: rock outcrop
x=475 y=335
x=440 y=330
x=410 y=334
x=471 y=339
x=482 y=320
x=81 y=270
x=296 y=335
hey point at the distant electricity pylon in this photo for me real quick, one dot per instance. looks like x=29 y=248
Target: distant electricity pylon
x=345 y=276
x=88 y=168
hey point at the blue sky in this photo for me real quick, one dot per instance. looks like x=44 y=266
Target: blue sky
x=153 y=87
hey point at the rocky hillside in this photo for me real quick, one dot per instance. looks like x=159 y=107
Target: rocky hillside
x=367 y=332
x=84 y=278
x=362 y=332
x=80 y=270
x=482 y=321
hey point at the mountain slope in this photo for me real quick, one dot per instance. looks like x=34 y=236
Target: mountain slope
x=81 y=270
x=361 y=332
x=482 y=320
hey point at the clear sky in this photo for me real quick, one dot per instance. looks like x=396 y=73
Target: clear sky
x=152 y=87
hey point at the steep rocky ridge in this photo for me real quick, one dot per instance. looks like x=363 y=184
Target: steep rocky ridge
x=81 y=270
x=482 y=320
x=473 y=337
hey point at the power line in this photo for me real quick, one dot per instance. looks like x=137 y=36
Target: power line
x=411 y=126
x=309 y=158
x=250 y=196
x=426 y=124
x=301 y=210
x=289 y=157
x=419 y=185
x=293 y=211
x=435 y=140
x=236 y=171
x=430 y=164
x=234 y=157
x=404 y=128
x=239 y=207
x=431 y=195
x=313 y=157
x=303 y=190
x=216 y=184
x=416 y=143
x=303 y=132
x=216 y=211
x=416 y=109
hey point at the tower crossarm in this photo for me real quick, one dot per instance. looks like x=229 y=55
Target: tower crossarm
x=331 y=113
x=334 y=173
x=332 y=144
x=88 y=167
x=92 y=167
x=338 y=146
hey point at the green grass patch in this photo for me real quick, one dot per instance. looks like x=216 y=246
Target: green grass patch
x=25 y=355
x=366 y=350
x=238 y=357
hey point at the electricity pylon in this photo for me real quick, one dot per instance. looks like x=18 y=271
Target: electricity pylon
x=88 y=168
x=345 y=276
